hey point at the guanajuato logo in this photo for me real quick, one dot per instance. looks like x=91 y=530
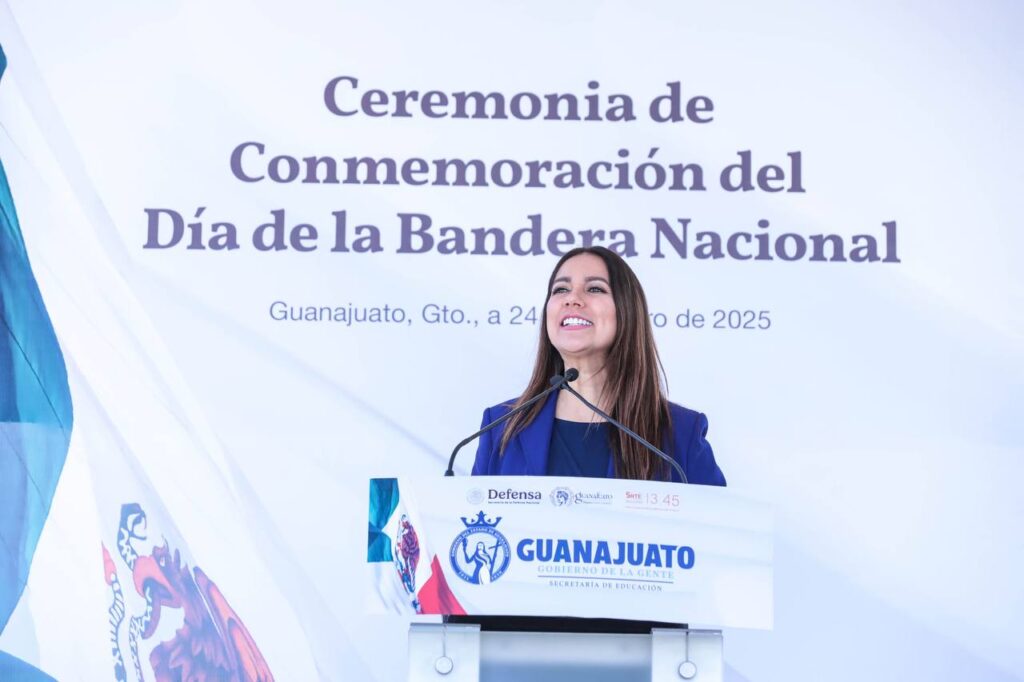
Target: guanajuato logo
x=480 y=554
x=565 y=497
x=561 y=497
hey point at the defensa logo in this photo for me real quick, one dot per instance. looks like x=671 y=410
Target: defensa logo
x=511 y=496
x=480 y=554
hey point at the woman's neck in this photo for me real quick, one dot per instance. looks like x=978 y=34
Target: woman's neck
x=590 y=385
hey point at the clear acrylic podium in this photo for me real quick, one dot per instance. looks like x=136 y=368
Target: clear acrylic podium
x=462 y=653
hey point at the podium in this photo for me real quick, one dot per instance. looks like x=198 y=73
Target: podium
x=545 y=578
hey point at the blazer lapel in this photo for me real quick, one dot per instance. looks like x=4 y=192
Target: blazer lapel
x=535 y=439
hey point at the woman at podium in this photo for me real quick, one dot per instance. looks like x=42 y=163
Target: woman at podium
x=596 y=321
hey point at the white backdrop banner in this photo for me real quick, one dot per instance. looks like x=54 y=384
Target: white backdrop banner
x=288 y=247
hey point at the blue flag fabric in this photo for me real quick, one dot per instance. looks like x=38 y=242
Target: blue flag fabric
x=35 y=407
x=16 y=670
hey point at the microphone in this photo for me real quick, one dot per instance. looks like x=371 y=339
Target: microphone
x=622 y=427
x=556 y=382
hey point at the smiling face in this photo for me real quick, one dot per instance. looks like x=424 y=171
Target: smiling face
x=580 y=314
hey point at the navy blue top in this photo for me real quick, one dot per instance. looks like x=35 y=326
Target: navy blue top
x=579 y=449
x=528 y=451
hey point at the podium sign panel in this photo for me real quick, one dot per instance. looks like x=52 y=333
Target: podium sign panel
x=551 y=546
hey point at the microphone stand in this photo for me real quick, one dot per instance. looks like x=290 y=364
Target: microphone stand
x=557 y=381
x=630 y=432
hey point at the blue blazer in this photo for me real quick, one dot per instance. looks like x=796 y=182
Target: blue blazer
x=527 y=452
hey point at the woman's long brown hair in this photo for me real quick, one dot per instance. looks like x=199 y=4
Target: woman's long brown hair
x=634 y=375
